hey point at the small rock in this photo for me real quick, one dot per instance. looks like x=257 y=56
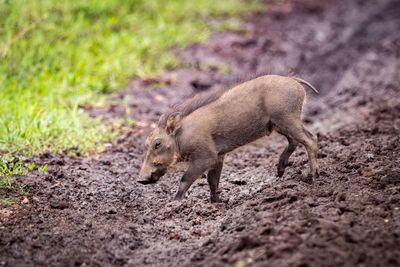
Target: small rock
x=173 y=236
x=5 y=214
x=25 y=201
x=141 y=124
x=198 y=232
x=87 y=223
x=159 y=98
x=107 y=145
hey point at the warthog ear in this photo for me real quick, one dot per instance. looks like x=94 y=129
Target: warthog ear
x=162 y=118
x=173 y=123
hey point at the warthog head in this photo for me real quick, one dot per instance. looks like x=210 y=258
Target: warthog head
x=161 y=151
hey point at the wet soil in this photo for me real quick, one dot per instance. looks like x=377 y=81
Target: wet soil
x=92 y=212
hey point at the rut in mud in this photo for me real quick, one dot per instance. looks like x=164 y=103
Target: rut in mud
x=91 y=211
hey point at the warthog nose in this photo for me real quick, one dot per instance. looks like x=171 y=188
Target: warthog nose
x=144 y=176
x=153 y=177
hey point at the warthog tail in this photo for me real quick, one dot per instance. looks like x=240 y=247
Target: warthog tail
x=306 y=83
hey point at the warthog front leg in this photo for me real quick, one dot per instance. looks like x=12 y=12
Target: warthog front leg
x=195 y=170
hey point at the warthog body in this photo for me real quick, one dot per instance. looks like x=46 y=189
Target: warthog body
x=203 y=129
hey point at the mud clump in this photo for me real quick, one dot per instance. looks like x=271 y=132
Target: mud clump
x=92 y=212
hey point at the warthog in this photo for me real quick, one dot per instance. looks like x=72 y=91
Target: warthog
x=204 y=128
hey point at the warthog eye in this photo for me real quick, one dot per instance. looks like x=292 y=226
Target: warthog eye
x=157 y=143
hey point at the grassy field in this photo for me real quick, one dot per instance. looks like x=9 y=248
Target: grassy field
x=56 y=56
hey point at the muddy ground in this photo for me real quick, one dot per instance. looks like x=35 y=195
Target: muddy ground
x=92 y=212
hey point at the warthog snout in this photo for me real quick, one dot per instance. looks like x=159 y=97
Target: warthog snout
x=150 y=177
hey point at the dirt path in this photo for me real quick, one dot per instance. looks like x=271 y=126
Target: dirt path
x=92 y=212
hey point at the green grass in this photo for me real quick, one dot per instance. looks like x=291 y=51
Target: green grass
x=56 y=56
x=10 y=166
x=6 y=202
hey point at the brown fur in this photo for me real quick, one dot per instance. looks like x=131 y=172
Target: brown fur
x=190 y=105
x=203 y=129
x=203 y=99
